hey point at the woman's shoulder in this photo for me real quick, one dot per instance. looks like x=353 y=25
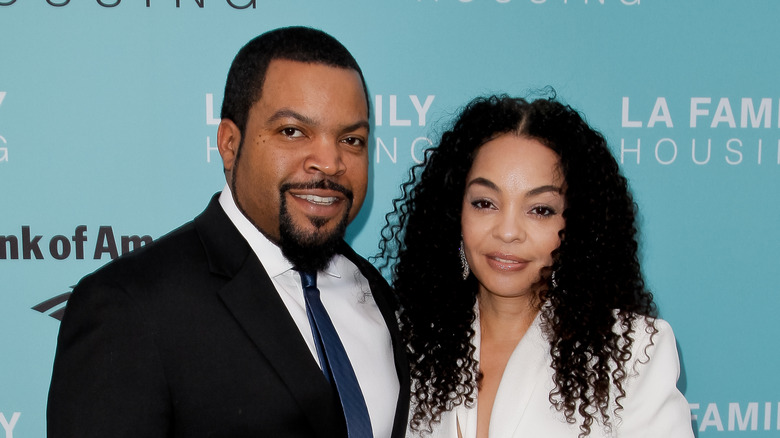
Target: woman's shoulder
x=643 y=326
x=652 y=403
x=653 y=342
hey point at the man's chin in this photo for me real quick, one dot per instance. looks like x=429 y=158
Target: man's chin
x=310 y=242
x=308 y=247
x=317 y=238
x=310 y=253
x=316 y=228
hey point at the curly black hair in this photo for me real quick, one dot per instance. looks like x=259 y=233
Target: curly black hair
x=597 y=285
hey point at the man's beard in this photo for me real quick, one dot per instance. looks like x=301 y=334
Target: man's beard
x=311 y=252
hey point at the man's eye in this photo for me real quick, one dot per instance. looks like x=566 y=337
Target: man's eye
x=292 y=132
x=354 y=141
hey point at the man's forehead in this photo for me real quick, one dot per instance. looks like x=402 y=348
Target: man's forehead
x=305 y=91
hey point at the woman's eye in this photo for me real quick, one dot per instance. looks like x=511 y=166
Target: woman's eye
x=542 y=210
x=481 y=204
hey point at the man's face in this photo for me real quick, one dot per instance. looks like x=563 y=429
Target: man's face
x=304 y=155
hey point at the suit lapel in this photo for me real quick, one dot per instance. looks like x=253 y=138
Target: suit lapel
x=251 y=297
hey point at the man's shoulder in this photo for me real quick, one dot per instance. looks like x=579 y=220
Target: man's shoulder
x=182 y=240
x=181 y=251
x=184 y=246
x=170 y=252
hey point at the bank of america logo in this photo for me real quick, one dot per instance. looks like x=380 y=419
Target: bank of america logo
x=56 y=305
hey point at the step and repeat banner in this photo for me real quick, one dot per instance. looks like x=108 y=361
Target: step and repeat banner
x=109 y=110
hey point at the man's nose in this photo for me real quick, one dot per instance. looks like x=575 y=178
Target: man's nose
x=325 y=157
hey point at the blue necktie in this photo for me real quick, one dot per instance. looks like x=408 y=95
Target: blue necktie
x=335 y=362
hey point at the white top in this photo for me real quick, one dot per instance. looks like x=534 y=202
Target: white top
x=653 y=406
x=346 y=295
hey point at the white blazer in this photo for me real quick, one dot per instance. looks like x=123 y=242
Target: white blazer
x=653 y=406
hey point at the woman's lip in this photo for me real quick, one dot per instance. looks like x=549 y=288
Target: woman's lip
x=506 y=262
x=507 y=257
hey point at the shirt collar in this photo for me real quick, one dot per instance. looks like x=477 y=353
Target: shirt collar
x=269 y=254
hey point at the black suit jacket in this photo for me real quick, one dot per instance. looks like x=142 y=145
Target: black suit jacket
x=187 y=337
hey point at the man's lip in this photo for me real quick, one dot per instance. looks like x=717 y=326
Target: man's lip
x=317 y=199
x=323 y=188
x=318 y=202
x=321 y=197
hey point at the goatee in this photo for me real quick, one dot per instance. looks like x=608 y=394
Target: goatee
x=311 y=251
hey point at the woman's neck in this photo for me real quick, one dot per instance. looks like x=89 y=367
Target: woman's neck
x=505 y=319
x=503 y=322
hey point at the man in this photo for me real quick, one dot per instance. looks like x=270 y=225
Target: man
x=209 y=330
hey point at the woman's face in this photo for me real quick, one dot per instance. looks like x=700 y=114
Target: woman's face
x=512 y=213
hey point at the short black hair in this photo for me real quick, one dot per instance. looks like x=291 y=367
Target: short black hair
x=247 y=72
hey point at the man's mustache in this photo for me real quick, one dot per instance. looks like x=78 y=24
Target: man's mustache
x=324 y=184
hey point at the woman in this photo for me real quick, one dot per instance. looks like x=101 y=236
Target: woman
x=523 y=303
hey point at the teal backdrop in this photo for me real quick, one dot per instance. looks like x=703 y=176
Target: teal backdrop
x=108 y=113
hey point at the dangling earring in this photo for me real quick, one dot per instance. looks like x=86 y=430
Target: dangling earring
x=463 y=262
x=553 y=281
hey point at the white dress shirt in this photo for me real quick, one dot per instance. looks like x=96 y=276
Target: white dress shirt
x=346 y=295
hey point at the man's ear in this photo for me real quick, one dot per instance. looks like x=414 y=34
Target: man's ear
x=228 y=141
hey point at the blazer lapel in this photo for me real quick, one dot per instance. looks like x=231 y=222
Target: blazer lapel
x=251 y=297
x=526 y=370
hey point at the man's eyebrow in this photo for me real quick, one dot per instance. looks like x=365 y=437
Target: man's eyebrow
x=286 y=112
x=363 y=124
